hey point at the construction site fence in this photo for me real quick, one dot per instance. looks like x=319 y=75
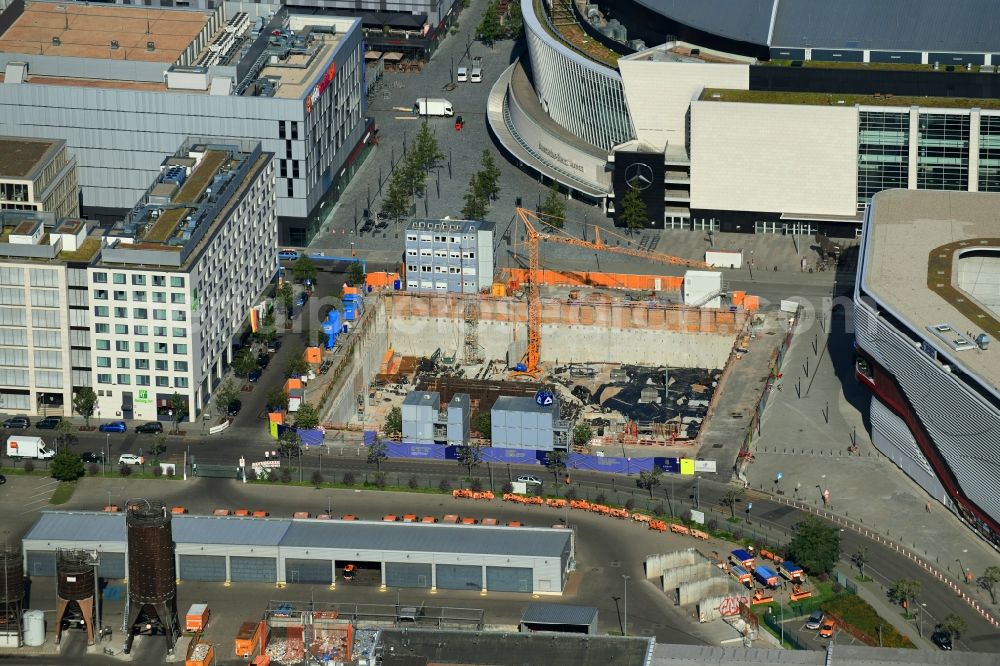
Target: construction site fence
x=773 y=375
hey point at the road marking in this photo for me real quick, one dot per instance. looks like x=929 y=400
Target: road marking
x=406 y=118
x=401 y=108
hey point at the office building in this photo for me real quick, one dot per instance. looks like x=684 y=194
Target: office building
x=926 y=329
x=733 y=124
x=449 y=255
x=522 y=423
x=38 y=174
x=124 y=86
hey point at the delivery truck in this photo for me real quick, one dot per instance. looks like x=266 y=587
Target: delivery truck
x=428 y=106
x=26 y=446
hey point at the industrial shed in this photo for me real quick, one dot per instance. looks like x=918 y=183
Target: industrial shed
x=284 y=550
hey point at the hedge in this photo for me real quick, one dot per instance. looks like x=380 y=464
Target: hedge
x=853 y=610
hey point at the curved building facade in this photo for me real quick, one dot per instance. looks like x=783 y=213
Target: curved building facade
x=583 y=96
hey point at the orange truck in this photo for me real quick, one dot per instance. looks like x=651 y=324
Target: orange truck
x=248 y=639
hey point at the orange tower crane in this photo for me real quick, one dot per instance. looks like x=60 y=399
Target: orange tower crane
x=551 y=234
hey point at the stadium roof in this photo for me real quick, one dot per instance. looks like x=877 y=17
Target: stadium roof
x=906 y=25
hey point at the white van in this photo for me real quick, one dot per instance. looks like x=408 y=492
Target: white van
x=477 y=69
x=463 y=74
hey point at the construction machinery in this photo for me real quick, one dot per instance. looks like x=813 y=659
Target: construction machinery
x=546 y=232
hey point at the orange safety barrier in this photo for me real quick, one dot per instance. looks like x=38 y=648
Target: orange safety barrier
x=241 y=512
x=658 y=525
x=112 y=508
x=178 y=509
x=698 y=534
x=738 y=297
x=300 y=514
x=221 y=512
x=556 y=503
x=751 y=303
x=679 y=529
x=640 y=518
x=260 y=514
x=514 y=523
x=470 y=494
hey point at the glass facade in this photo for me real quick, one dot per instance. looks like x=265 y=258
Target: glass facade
x=943 y=152
x=883 y=153
x=989 y=153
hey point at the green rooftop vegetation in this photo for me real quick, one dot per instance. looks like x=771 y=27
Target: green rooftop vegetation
x=189 y=193
x=835 y=99
x=882 y=66
x=939 y=275
x=85 y=252
x=574 y=36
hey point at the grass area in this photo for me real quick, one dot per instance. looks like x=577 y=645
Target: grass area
x=836 y=99
x=85 y=252
x=63 y=492
x=882 y=66
x=854 y=611
x=19 y=471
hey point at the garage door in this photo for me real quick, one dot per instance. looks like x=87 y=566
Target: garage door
x=407 y=574
x=508 y=579
x=459 y=577
x=308 y=571
x=41 y=563
x=253 y=569
x=112 y=566
x=203 y=567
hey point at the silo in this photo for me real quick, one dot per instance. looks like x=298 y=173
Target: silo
x=11 y=590
x=152 y=581
x=76 y=585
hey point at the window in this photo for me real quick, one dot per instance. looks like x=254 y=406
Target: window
x=142 y=363
x=103 y=379
x=177 y=299
x=138 y=280
x=159 y=281
x=468 y=255
x=124 y=380
x=159 y=297
x=44 y=277
x=178 y=315
x=121 y=345
x=142 y=380
x=160 y=347
x=102 y=345
x=160 y=331
x=11 y=296
x=121 y=313
x=181 y=382
x=119 y=278
x=103 y=361
x=122 y=363
x=45 y=298
x=121 y=295
x=180 y=349
x=121 y=329
x=295 y=129
x=180 y=332
x=160 y=315
x=140 y=313
x=101 y=278
x=102 y=328
x=180 y=366
x=139 y=296
x=411 y=237
x=100 y=310
x=142 y=347
x=140 y=330
x=100 y=294
x=411 y=268
x=163 y=381
x=176 y=281
x=160 y=365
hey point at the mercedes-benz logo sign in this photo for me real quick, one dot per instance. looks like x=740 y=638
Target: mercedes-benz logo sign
x=638 y=175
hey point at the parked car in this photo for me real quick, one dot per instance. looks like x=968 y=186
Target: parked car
x=254 y=376
x=152 y=427
x=302 y=299
x=529 y=479
x=463 y=74
x=129 y=459
x=263 y=360
x=288 y=255
x=91 y=457
x=49 y=423
x=19 y=422
x=942 y=639
x=113 y=426
x=826 y=629
x=273 y=346
x=3 y=479
x=233 y=408
x=815 y=620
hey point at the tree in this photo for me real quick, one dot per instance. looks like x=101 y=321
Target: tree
x=377 y=453
x=64 y=433
x=489 y=176
x=475 y=203
x=158 y=446
x=815 y=546
x=904 y=591
x=860 y=559
x=297 y=366
x=307 y=417
x=277 y=399
x=633 y=213
x=305 y=269
x=179 y=405
x=398 y=197
x=470 y=456
x=582 y=434
x=953 y=625
x=555 y=462
x=427 y=153
x=244 y=363
x=67 y=466
x=514 y=23
x=289 y=444
x=650 y=480
x=84 y=403
x=484 y=424
x=287 y=296
x=553 y=209
x=356 y=273
x=412 y=176
x=393 y=425
x=225 y=394
x=731 y=498
x=988 y=581
x=490 y=29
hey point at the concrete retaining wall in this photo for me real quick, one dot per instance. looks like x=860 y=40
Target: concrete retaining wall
x=680 y=576
x=364 y=351
x=656 y=565
x=708 y=609
x=697 y=592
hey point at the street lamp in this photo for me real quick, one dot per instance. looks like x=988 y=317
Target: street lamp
x=625 y=577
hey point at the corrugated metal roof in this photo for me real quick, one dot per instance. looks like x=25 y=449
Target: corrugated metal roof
x=426 y=538
x=910 y=25
x=743 y=20
x=559 y=614
x=73 y=526
x=230 y=530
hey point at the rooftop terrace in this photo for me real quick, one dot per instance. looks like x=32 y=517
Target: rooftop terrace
x=562 y=25
x=839 y=99
x=77 y=30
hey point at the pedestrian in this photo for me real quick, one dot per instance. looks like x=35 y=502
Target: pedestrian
x=928 y=507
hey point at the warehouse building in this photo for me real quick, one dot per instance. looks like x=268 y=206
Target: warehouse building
x=272 y=550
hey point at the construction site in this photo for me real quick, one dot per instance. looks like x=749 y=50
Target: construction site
x=639 y=357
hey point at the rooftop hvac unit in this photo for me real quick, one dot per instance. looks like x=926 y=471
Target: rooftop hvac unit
x=637 y=44
x=114 y=44
x=983 y=341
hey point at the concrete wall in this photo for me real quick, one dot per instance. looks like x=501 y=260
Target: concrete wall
x=659 y=94
x=709 y=595
x=655 y=565
x=364 y=351
x=686 y=575
x=782 y=158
